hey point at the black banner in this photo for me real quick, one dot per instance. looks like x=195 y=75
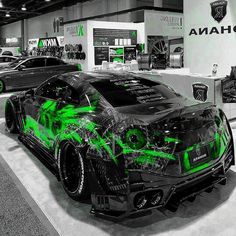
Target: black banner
x=48 y=42
x=101 y=54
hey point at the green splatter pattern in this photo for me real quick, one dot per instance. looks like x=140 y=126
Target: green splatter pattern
x=70 y=122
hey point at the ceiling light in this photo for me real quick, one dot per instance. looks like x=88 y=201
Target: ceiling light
x=23 y=8
x=1 y=5
x=8 y=14
x=47 y=0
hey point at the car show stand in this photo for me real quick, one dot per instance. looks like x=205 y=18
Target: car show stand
x=193 y=86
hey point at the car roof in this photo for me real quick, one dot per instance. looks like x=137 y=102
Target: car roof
x=78 y=79
x=7 y=56
x=105 y=75
x=33 y=57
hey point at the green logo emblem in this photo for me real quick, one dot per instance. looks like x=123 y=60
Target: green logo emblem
x=40 y=44
x=80 y=30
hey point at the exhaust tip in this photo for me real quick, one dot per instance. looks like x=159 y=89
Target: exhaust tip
x=148 y=199
x=141 y=202
x=156 y=198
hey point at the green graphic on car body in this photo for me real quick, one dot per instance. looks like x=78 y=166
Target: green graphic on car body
x=69 y=122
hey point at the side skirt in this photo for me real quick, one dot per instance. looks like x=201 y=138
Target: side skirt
x=43 y=155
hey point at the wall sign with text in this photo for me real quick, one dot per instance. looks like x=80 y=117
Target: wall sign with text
x=114 y=37
x=48 y=42
x=101 y=54
x=218 y=13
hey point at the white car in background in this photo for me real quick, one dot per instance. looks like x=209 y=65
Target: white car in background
x=6 y=60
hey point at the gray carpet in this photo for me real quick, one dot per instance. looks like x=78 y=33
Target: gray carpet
x=18 y=216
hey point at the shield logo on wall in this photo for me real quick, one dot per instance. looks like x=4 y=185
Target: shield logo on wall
x=200 y=92
x=219 y=10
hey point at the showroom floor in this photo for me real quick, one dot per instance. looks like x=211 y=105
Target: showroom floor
x=210 y=214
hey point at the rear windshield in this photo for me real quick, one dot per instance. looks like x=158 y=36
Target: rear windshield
x=121 y=92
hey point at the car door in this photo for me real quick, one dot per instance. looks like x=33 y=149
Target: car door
x=31 y=73
x=46 y=112
x=55 y=66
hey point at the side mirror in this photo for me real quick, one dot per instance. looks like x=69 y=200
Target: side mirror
x=21 y=67
x=29 y=93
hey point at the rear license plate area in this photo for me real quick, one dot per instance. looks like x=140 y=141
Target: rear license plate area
x=199 y=156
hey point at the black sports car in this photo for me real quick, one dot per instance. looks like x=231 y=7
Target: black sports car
x=129 y=143
x=29 y=72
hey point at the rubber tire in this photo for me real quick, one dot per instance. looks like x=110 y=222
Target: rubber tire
x=2 y=86
x=10 y=116
x=82 y=191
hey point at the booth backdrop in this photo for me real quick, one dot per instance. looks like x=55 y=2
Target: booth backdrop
x=216 y=43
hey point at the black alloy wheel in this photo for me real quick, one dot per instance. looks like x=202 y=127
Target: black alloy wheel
x=72 y=170
x=10 y=118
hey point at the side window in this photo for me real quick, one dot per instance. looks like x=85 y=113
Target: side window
x=7 y=59
x=1 y=59
x=57 y=89
x=52 y=62
x=35 y=63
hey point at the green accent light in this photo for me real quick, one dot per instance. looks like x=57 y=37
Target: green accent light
x=79 y=67
x=199 y=168
x=217 y=147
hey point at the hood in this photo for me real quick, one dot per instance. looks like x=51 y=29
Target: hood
x=163 y=110
x=4 y=69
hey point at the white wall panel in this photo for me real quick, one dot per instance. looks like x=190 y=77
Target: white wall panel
x=38 y=26
x=202 y=51
x=11 y=31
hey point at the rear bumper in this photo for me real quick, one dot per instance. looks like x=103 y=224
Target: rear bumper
x=174 y=190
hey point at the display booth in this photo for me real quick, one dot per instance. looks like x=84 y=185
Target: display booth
x=92 y=42
x=164 y=38
x=210 y=49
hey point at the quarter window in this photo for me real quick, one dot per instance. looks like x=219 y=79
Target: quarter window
x=35 y=63
x=58 y=90
x=54 y=62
